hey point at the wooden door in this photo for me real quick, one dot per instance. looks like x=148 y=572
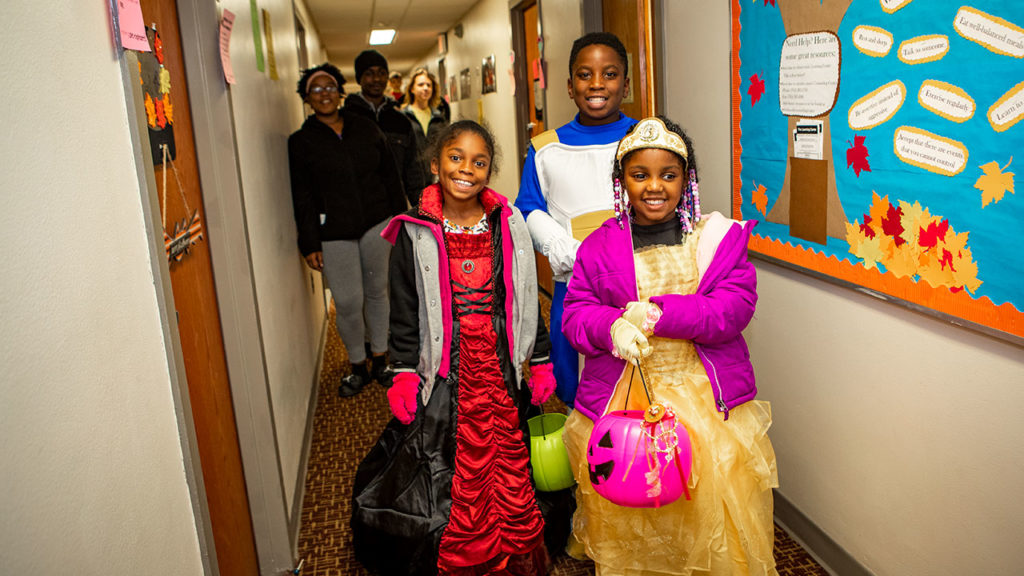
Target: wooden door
x=195 y=302
x=631 y=21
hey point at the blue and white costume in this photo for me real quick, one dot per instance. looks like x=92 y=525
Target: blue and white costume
x=567 y=173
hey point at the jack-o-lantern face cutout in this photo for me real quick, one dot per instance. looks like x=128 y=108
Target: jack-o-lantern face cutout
x=601 y=472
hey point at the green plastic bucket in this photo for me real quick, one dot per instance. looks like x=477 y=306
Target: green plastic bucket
x=548 y=455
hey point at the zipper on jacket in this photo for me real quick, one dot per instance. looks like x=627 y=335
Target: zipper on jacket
x=722 y=407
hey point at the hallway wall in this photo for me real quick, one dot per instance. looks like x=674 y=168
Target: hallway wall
x=487 y=30
x=289 y=295
x=896 y=433
x=93 y=475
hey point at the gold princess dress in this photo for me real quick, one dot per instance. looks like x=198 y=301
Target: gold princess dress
x=726 y=529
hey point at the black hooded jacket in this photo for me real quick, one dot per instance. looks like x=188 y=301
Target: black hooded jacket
x=401 y=137
x=341 y=187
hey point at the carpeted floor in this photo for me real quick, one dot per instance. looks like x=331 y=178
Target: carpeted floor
x=344 y=429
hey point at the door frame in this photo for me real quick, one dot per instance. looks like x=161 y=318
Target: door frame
x=219 y=174
x=275 y=533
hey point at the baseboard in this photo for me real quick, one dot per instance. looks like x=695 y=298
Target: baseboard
x=295 y=521
x=832 y=557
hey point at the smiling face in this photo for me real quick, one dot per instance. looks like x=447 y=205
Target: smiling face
x=598 y=84
x=422 y=90
x=463 y=168
x=373 y=81
x=653 y=179
x=323 y=95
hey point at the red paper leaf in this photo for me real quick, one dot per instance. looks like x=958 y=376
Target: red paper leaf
x=767 y=2
x=891 y=224
x=929 y=237
x=947 y=259
x=756 y=89
x=866 y=229
x=857 y=156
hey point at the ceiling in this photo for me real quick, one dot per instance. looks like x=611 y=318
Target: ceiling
x=344 y=28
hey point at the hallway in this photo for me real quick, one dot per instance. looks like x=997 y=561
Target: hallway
x=344 y=429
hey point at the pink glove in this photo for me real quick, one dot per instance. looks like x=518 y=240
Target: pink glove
x=402 y=396
x=542 y=383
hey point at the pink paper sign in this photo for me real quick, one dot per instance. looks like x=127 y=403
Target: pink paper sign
x=133 y=29
x=227 y=22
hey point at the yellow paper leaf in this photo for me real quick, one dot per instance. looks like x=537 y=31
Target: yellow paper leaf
x=937 y=276
x=994 y=183
x=759 y=199
x=868 y=251
x=965 y=271
x=902 y=264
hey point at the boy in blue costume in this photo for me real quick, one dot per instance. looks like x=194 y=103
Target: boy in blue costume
x=566 y=175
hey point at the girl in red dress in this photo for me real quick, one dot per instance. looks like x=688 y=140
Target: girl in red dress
x=447 y=489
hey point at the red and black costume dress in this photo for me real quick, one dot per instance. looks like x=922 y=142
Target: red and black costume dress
x=451 y=492
x=494 y=521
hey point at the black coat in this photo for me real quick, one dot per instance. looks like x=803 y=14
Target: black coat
x=423 y=139
x=351 y=180
x=400 y=136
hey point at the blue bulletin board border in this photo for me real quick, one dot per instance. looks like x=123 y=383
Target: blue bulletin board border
x=839 y=258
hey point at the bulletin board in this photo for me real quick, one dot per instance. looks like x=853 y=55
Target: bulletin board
x=876 y=142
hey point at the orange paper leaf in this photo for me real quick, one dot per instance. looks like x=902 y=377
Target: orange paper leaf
x=759 y=199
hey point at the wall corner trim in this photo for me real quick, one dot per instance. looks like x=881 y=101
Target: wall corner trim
x=826 y=551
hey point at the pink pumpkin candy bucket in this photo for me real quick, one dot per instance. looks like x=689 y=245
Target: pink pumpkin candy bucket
x=640 y=458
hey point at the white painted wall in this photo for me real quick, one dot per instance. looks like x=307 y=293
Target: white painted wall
x=896 y=433
x=93 y=480
x=487 y=29
x=289 y=295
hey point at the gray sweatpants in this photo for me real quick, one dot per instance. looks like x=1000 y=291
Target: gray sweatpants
x=357 y=274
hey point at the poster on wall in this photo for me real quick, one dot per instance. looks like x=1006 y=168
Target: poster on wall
x=490 y=81
x=465 y=83
x=874 y=142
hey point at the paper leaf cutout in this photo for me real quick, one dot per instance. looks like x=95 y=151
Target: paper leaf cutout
x=994 y=183
x=767 y=2
x=165 y=80
x=150 y=112
x=930 y=237
x=759 y=199
x=892 y=226
x=756 y=89
x=857 y=156
x=161 y=120
x=168 y=109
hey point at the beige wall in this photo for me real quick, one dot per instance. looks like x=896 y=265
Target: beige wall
x=289 y=295
x=562 y=23
x=93 y=479
x=896 y=433
x=487 y=30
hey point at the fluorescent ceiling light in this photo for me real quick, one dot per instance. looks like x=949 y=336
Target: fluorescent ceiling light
x=379 y=37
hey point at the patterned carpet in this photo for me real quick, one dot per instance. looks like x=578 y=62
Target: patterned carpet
x=344 y=429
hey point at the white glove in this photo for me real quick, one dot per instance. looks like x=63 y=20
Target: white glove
x=629 y=342
x=552 y=240
x=644 y=315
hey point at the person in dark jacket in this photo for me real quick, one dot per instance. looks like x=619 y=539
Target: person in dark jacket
x=345 y=189
x=373 y=103
x=422 y=97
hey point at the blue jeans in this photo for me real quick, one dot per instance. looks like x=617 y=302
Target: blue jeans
x=565 y=359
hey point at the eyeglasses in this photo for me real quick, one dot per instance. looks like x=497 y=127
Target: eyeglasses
x=321 y=89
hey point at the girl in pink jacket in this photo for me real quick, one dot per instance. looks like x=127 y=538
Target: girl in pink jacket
x=662 y=287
